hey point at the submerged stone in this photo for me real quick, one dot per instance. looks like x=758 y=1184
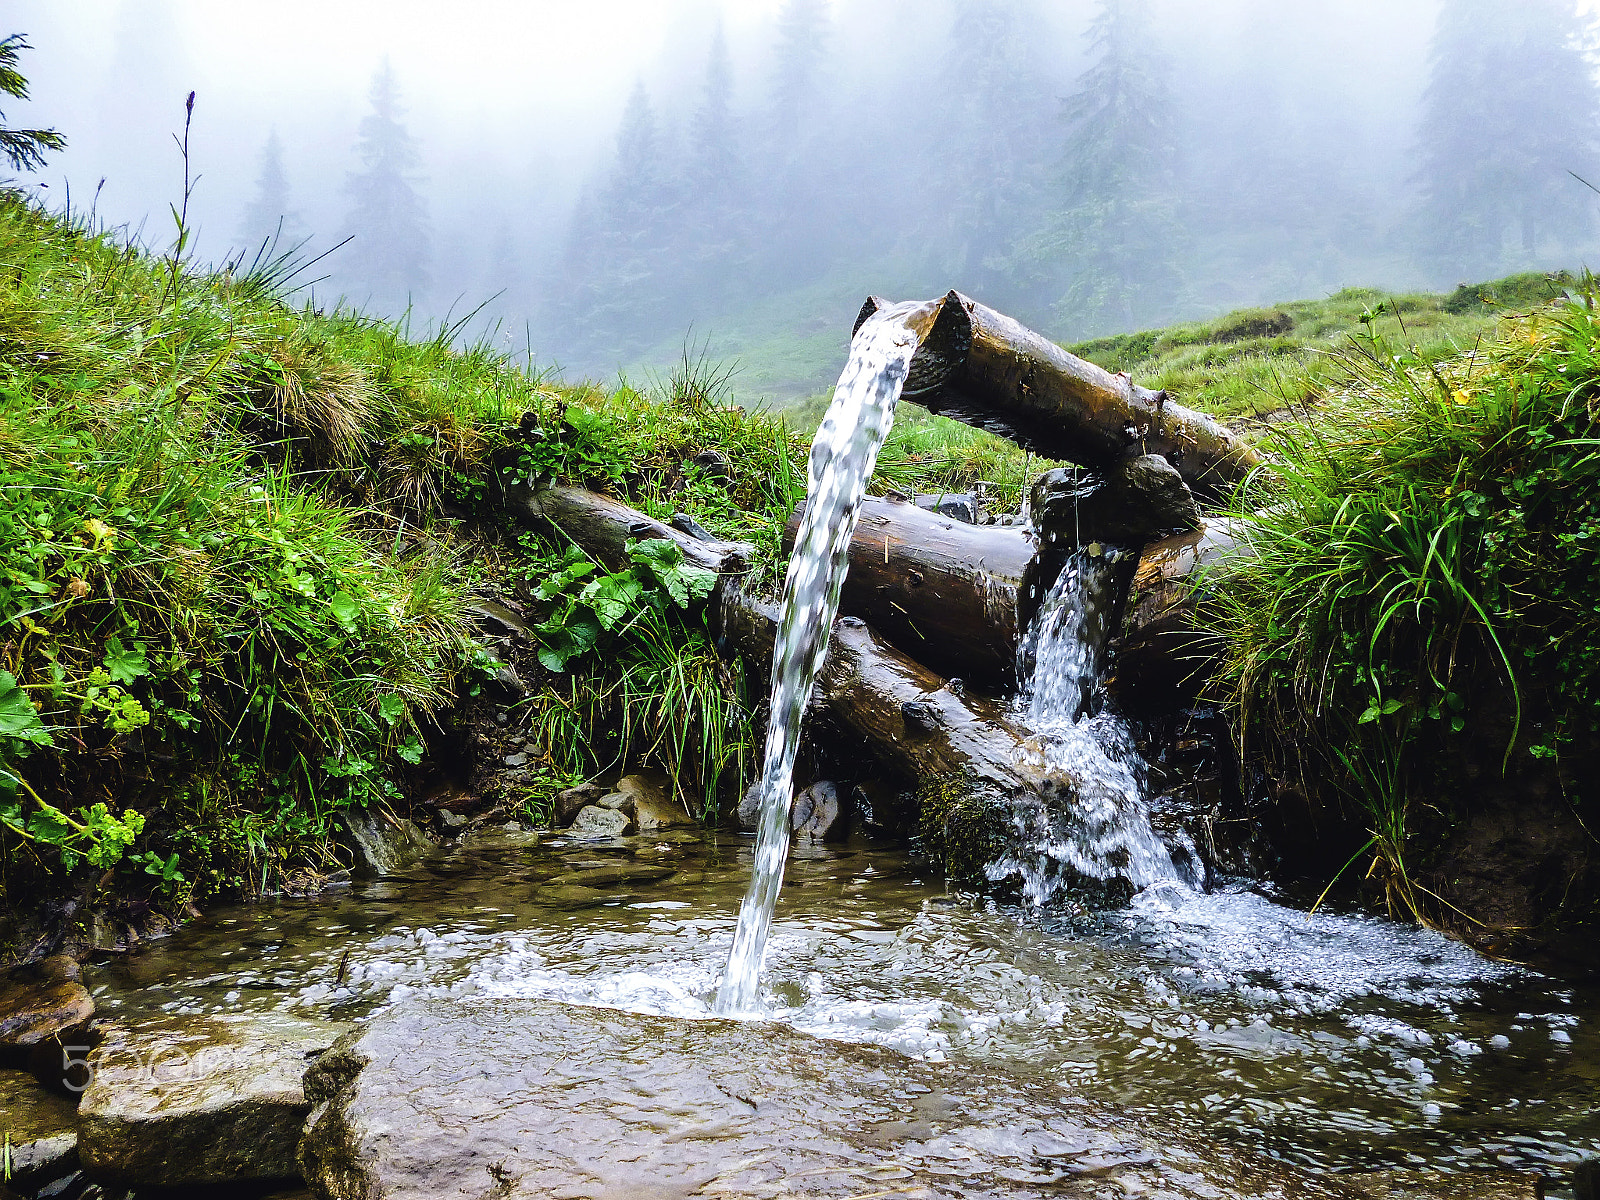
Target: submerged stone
x=528 y=1098
x=1431 y=1185
x=611 y=875
x=194 y=1101
x=382 y=843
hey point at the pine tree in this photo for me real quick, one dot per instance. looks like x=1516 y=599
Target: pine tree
x=1511 y=109
x=797 y=67
x=389 y=253
x=800 y=194
x=24 y=149
x=713 y=225
x=714 y=149
x=987 y=138
x=268 y=217
x=617 y=265
x=1115 y=239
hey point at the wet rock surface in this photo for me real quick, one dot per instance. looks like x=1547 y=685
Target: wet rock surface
x=651 y=802
x=40 y=1003
x=535 y=1099
x=598 y=821
x=382 y=843
x=187 y=1101
x=815 y=812
x=41 y=1128
x=569 y=802
x=1426 y=1185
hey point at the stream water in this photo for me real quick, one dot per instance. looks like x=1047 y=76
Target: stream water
x=1332 y=1041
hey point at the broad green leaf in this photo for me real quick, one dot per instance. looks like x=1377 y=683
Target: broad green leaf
x=391 y=707
x=48 y=825
x=19 y=720
x=613 y=598
x=345 y=610
x=125 y=663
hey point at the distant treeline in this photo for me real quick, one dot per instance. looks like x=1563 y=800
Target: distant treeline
x=1090 y=197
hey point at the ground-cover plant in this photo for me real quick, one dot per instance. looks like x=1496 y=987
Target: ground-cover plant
x=1422 y=591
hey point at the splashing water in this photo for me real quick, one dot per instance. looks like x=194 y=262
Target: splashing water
x=843 y=455
x=1099 y=826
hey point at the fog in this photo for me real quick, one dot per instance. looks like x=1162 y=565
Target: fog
x=609 y=180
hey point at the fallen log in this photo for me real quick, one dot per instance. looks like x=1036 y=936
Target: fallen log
x=943 y=591
x=1162 y=658
x=960 y=760
x=985 y=369
x=603 y=527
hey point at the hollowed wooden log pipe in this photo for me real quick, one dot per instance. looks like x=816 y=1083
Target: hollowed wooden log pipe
x=987 y=370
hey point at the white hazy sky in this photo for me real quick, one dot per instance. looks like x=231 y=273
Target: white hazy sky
x=542 y=81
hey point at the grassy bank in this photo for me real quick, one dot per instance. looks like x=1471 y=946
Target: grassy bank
x=1417 y=636
x=240 y=544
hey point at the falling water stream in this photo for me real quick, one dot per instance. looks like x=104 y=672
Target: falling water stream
x=1096 y=825
x=843 y=454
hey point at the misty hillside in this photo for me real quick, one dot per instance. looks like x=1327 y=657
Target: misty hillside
x=737 y=179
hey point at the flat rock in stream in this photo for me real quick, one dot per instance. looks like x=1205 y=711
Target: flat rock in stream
x=42 y=1129
x=528 y=1098
x=1430 y=1185
x=197 y=1101
x=41 y=1002
x=611 y=875
x=596 y=822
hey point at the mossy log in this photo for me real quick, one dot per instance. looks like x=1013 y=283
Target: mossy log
x=1162 y=657
x=943 y=591
x=985 y=369
x=604 y=526
x=959 y=756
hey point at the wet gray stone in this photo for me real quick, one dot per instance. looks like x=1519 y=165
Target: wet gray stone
x=958 y=506
x=42 y=1129
x=569 y=802
x=41 y=1002
x=617 y=801
x=815 y=812
x=596 y=822
x=526 y=1098
x=382 y=843
x=199 y=1101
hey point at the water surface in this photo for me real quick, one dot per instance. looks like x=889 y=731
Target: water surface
x=1333 y=1042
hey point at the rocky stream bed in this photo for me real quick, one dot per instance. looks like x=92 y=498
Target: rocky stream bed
x=529 y=1015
